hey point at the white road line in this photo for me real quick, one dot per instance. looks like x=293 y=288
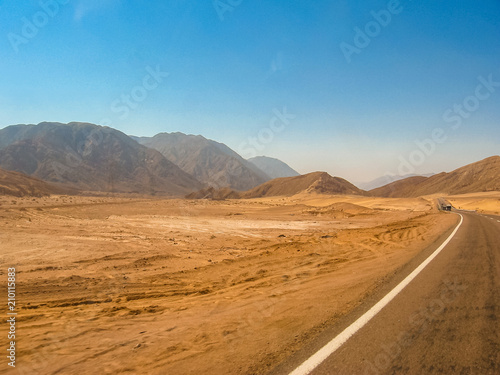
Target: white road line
x=315 y=360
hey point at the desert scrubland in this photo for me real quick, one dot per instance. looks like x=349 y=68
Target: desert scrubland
x=116 y=285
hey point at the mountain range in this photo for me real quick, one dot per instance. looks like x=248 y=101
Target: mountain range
x=476 y=177
x=210 y=162
x=54 y=158
x=88 y=157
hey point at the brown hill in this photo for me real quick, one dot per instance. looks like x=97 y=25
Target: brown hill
x=208 y=161
x=90 y=157
x=316 y=182
x=406 y=187
x=20 y=185
x=473 y=178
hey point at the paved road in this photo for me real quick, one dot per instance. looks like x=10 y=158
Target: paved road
x=446 y=321
x=441 y=203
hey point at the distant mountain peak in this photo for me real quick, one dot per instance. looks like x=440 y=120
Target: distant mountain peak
x=209 y=161
x=273 y=167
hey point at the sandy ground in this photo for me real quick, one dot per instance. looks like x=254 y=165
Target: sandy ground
x=108 y=285
x=486 y=203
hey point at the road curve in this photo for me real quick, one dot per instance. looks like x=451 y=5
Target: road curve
x=446 y=321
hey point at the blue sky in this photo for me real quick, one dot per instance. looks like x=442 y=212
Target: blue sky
x=225 y=68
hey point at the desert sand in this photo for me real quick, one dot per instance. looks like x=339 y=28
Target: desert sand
x=136 y=286
x=485 y=202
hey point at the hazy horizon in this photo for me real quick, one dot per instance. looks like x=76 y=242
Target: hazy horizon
x=357 y=90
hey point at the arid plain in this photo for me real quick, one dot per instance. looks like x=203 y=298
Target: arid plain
x=198 y=286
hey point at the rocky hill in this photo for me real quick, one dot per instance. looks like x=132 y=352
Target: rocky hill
x=477 y=177
x=20 y=185
x=316 y=182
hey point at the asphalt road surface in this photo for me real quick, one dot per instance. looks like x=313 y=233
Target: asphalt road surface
x=445 y=321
